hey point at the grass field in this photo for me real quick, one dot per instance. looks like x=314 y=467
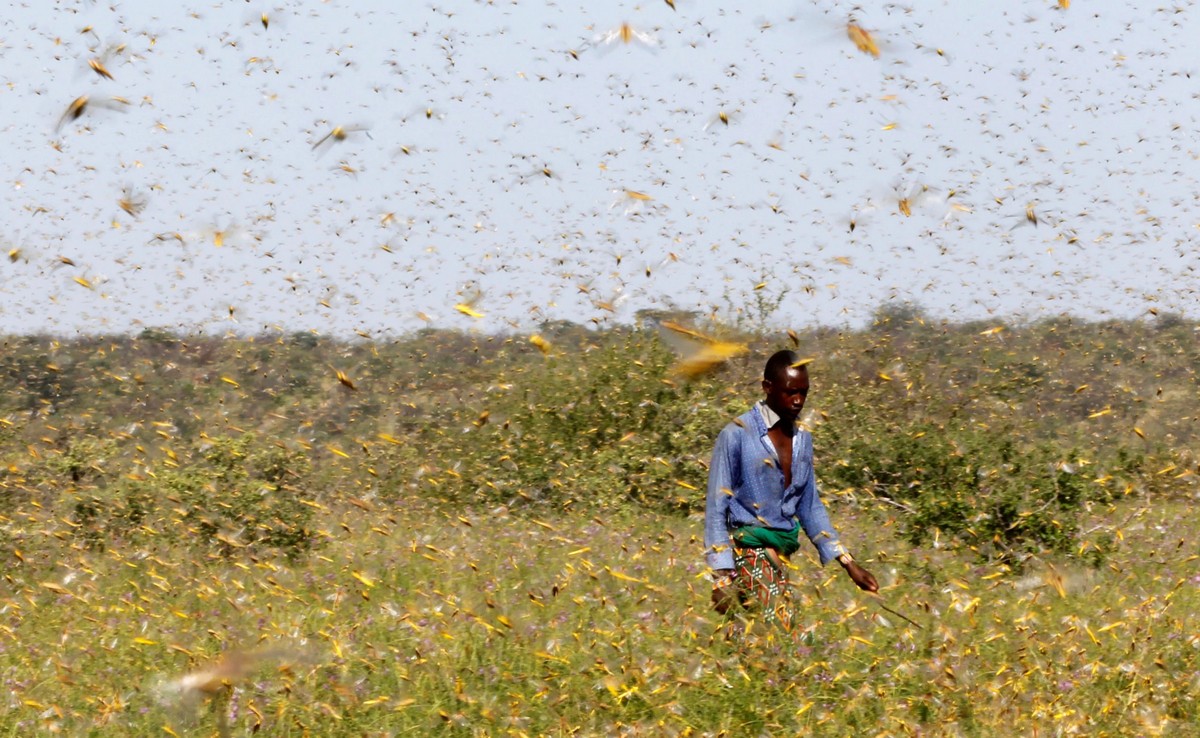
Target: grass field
x=418 y=620
x=485 y=535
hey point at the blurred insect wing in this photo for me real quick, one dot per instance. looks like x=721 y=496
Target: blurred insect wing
x=345 y=381
x=699 y=354
x=708 y=359
x=99 y=68
x=541 y=343
x=73 y=111
x=862 y=39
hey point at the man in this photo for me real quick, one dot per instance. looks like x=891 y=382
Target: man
x=762 y=492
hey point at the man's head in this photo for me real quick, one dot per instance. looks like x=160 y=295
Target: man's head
x=785 y=384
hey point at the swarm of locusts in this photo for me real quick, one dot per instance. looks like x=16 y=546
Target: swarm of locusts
x=446 y=472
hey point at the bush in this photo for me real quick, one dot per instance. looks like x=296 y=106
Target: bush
x=240 y=497
x=102 y=516
x=967 y=428
x=600 y=427
x=983 y=488
x=82 y=459
x=235 y=496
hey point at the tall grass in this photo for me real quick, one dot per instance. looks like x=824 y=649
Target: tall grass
x=422 y=619
x=462 y=535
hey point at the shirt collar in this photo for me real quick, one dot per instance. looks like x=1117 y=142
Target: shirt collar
x=769 y=416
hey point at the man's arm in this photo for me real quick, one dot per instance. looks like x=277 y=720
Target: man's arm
x=814 y=518
x=723 y=476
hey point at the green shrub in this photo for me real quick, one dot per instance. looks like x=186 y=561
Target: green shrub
x=603 y=429
x=239 y=497
x=981 y=487
x=82 y=459
x=970 y=430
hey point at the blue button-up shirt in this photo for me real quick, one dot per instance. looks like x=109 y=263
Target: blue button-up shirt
x=745 y=487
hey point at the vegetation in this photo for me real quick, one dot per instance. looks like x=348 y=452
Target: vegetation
x=484 y=535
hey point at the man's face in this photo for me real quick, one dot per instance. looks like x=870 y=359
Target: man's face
x=786 y=395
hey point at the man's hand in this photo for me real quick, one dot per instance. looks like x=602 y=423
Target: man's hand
x=861 y=576
x=724 y=594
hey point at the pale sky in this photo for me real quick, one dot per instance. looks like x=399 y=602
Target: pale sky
x=1085 y=117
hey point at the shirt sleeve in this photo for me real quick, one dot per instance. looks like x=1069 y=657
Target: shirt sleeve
x=814 y=519
x=723 y=475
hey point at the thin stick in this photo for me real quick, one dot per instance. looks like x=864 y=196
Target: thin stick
x=777 y=564
x=902 y=616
